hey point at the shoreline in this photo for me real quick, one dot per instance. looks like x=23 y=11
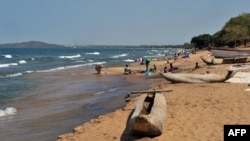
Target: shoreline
x=195 y=111
x=65 y=99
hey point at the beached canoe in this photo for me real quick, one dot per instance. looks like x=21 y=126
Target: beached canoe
x=149 y=115
x=217 y=61
x=223 y=52
x=196 y=78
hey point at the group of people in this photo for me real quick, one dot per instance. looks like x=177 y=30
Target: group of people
x=143 y=61
x=165 y=70
x=172 y=69
x=146 y=60
x=127 y=70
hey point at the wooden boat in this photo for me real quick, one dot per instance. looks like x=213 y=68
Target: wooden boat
x=149 y=115
x=217 y=61
x=196 y=78
x=222 y=52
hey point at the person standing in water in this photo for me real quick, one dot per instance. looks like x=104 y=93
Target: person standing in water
x=98 y=68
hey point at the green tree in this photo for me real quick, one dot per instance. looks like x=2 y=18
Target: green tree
x=235 y=32
x=201 y=41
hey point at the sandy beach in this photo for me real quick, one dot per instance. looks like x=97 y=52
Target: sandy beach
x=195 y=111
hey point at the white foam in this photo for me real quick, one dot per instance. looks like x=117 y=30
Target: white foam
x=120 y=55
x=30 y=71
x=7 y=56
x=93 y=53
x=75 y=66
x=7 y=65
x=87 y=64
x=166 y=51
x=14 y=75
x=22 y=62
x=4 y=65
x=159 y=54
x=154 y=50
x=8 y=111
x=70 y=57
x=53 y=69
x=129 y=60
x=68 y=67
x=96 y=63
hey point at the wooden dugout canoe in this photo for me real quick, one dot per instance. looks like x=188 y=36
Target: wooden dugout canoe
x=196 y=78
x=224 y=52
x=149 y=115
x=217 y=61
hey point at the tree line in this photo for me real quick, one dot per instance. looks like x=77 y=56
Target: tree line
x=234 y=33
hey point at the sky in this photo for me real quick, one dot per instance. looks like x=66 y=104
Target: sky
x=114 y=22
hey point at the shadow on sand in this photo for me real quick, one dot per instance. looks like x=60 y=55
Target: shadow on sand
x=127 y=135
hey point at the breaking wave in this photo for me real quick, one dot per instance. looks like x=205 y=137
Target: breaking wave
x=22 y=62
x=7 y=56
x=129 y=60
x=13 y=75
x=7 y=65
x=72 y=66
x=120 y=55
x=93 y=53
x=70 y=57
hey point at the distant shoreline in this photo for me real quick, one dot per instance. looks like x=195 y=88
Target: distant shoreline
x=39 y=44
x=30 y=44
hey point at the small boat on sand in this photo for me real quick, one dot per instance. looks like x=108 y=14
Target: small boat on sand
x=223 y=52
x=149 y=115
x=196 y=78
x=217 y=61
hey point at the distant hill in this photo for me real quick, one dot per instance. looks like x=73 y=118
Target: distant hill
x=30 y=44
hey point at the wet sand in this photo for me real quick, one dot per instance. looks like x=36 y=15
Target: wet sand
x=196 y=111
